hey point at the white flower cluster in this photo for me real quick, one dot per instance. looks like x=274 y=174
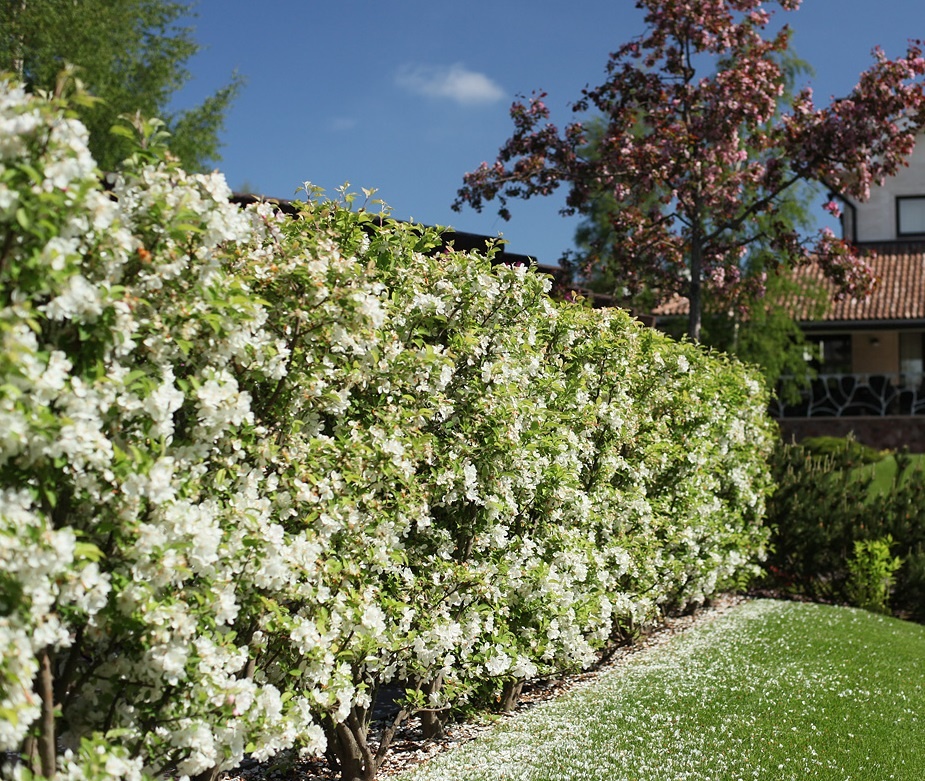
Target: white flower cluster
x=253 y=468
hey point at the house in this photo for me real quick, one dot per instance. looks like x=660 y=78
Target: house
x=870 y=361
x=871 y=364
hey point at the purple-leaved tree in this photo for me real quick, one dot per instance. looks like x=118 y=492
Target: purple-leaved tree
x=702 y=146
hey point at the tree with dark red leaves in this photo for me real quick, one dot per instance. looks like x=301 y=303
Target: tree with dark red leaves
x=703 y=145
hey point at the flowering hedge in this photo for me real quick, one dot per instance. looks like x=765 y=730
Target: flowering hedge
x=253 y=467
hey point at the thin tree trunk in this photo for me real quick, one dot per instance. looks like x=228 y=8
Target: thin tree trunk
x=348 y=749
x=432 y=720
x=18 y=46
x=387 y=735
x=511 y=695
x=695 y=294
x=40 y=751
x=350 y=754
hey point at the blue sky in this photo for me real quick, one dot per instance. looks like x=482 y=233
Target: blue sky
x=407 y=96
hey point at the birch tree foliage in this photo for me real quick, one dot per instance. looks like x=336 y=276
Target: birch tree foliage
x=130 y=54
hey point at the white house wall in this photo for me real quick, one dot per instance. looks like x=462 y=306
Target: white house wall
x=876 y=218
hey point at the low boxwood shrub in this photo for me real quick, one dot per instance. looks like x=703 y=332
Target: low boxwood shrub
x=846 y=447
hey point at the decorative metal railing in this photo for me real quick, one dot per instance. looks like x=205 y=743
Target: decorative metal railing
x=843 y=395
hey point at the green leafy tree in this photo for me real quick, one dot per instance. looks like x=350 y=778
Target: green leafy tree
x=131 y=54
x=757 y=324
x=761 y=331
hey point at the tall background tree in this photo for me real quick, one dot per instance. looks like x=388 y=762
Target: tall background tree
x=755 y=324
x=702 y=149
x=131 y=54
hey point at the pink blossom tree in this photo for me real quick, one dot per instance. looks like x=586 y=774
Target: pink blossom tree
x=703 y=145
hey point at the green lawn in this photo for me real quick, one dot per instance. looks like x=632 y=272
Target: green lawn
x=884 y=472
x=770 y=690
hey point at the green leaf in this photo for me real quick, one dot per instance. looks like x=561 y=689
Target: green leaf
x=50 y=497
x=88 y=551
x=123 y=131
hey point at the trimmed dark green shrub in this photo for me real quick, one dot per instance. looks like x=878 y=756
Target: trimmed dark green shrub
x=825 y=504
x=911 y=578
x=814 y=515
x=849 y=447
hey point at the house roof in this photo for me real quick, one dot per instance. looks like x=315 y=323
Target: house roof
x=898 y=296
x=676 y=306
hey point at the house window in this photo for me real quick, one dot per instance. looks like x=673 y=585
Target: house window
x=848 y=231
x=910 y=215
x=911 y=353
x=834 y=354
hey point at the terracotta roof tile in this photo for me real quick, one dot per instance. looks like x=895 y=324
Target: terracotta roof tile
x=676 y=306
x=899 y=295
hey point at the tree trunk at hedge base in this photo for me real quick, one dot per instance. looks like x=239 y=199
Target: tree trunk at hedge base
x=432 y=721
x=348 y=749
x=510 y=696
x=40 y=751
x=345 y=752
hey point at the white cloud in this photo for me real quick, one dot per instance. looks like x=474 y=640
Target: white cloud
x=455 y=82
x=339 y=124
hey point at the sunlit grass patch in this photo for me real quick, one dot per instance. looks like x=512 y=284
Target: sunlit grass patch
x=885 y=472
x=772 y=690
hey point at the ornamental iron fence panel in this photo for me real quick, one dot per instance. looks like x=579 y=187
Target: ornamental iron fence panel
x=845 y=395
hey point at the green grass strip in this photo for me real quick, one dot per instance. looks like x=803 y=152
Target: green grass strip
x=884 y=473
x=770 y=690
